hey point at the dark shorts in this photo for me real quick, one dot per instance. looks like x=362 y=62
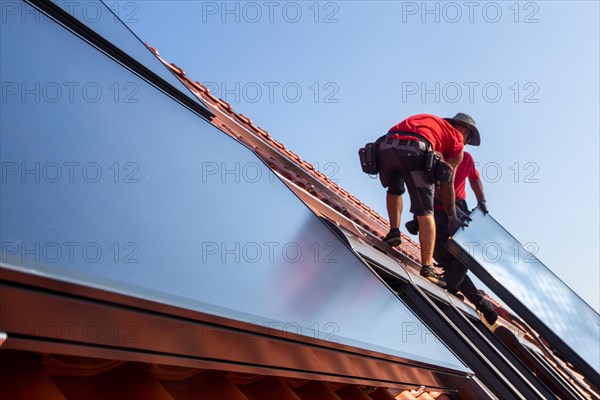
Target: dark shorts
x=400 y=165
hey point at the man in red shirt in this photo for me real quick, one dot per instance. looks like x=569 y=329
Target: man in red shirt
x=466 y=170
x=405 y=155
x=455 y=273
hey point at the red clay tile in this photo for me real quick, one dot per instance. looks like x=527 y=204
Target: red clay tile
x=405 y=395
x=130 y=381
x=381 y=394
x=200 y=87
x=351 y=392
x=152 y=49
x=208 y=385
x=23 y=377
x=244 y=119
x=269 y=388
x=223 y=104
x=178 y=70
x=316 y=391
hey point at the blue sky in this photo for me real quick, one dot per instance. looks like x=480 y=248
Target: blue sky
x=324 y=78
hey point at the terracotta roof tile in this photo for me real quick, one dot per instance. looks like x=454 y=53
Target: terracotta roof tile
x=405 y=395
x=210 y=96
x=225 y=105
x=153 y=49
x=381 y=394
x=316 y=391
x=352 y=393
x=177 y=70
x=30 y=375
x=269 y=387
x=264 y=133
x=214 y=385
x=244 y=119
x=308 y=166
x=201 y=88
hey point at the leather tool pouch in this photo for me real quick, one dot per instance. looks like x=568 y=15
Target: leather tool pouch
x=368 y=159
x=437 y=169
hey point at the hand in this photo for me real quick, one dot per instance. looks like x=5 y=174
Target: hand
x=454 y=224
x=460 y=214
x=483 y=207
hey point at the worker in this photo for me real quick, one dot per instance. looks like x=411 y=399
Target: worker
x=419 y=151
x=455 y=273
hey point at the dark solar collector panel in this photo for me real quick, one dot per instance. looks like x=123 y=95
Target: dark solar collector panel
x=527 y=286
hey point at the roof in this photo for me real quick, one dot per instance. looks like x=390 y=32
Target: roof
x=23 y=375
x=38 y=363
x=326 y=197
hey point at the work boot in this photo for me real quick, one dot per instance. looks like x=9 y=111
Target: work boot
x=487 y=309
x=393 y=237
x=429 y=273
x=456 y=294
x=412 y=227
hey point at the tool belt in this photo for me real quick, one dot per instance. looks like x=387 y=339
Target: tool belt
x=408 y=143
x=421 y=144
x=435 y=167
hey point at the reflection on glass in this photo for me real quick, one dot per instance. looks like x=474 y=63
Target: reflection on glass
x=108 y=23
x=147 y=199
x=533 y=284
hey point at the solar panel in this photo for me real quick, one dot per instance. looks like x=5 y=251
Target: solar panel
x=104 y=21
x=149 y=200
x=521 y=280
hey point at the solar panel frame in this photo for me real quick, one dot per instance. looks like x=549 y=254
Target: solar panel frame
x=516 y=291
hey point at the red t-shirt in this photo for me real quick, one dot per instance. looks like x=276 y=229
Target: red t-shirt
x=441 y=135
x=466 y=169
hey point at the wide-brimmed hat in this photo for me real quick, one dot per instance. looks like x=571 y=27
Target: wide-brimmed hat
x=468 y=122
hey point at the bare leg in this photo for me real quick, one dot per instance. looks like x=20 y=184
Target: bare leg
x=426 y=238
x=394 y=209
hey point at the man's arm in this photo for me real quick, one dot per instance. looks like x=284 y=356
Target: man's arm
x=477 y=187
x=479 y=195
x=447 y=188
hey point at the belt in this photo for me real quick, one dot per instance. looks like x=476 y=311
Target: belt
x=408 y=143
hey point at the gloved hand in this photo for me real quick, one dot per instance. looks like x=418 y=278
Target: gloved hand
x=460 y=214
x=483 y=207
x=453 y=224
